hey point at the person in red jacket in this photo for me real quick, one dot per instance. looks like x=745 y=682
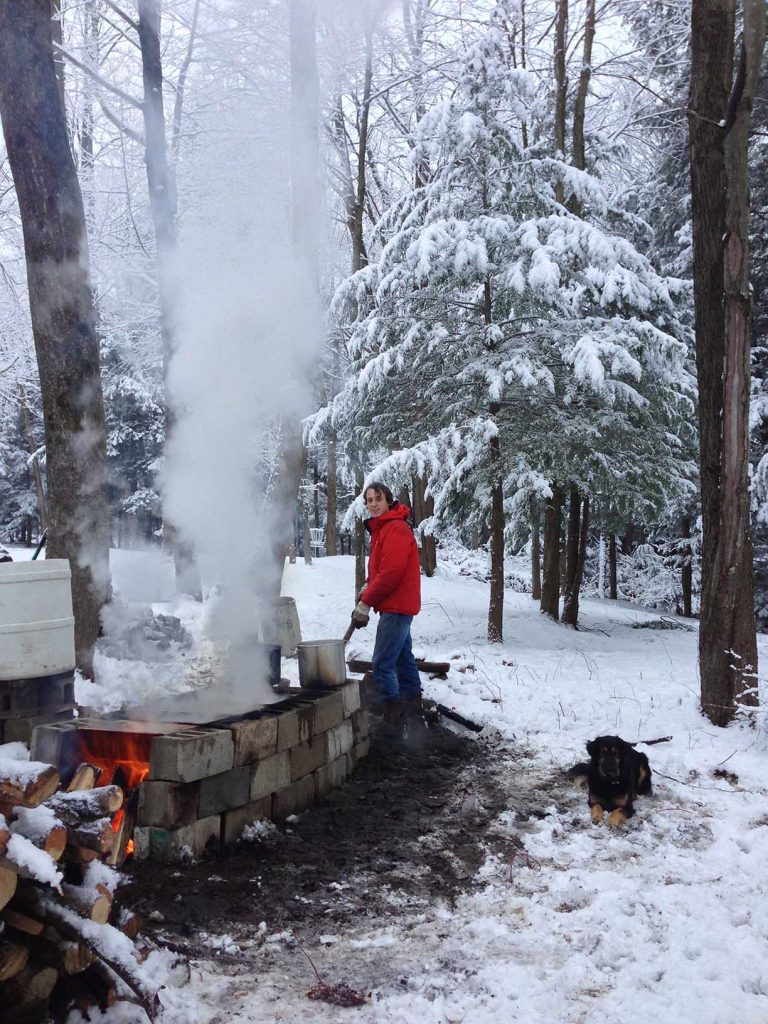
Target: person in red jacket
x=393 y=589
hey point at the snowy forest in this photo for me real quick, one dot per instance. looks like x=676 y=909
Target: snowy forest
x=508 y=256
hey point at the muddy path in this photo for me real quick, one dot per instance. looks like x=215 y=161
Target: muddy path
x=407 y=831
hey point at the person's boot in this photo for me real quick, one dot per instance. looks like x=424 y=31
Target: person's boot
x=391 y=725
x=415 y=722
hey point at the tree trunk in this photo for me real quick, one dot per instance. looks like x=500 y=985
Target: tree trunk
x=535 y=549
x=359 y=541
x=162 y=204
x=719 y=126
x=424 y=508
x=331 y=496
x=613 y=580
x=496 y=601
x=561 y=87
x=686 y=571
x=550 y=585
x=61 y=304
x=307 y=536
x=571 y=603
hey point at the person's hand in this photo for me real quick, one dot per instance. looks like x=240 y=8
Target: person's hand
x=361 y=615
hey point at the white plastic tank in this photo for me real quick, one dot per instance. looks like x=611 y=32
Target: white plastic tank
x=37 y=628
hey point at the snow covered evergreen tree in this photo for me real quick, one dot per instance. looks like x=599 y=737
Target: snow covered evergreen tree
x=502 y=343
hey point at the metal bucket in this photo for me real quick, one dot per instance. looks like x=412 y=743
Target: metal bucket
x=321 y=663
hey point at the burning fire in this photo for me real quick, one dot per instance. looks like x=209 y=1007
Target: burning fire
x=122 y=756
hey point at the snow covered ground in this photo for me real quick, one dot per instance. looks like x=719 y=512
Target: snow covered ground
x=664 y=920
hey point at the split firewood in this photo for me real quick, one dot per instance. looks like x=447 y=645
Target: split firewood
x=43 y=829
x=93 y=835
x=13 y=959
x=27 y=861
x=5 y=835
x=67 y=956
x=79 y=854
x=32 y=985
x=26 y=783
x=94 y=987
x=87 y=902
x=21 y=922
x=86 y=804
x=8 y=882
x=94 y=904
x=128 y=923
x=85 y=776
x=109 y=945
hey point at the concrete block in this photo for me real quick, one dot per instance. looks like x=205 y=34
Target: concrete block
x=47 y=740
x=233 y=822
x=338 y=740
x=224 y=792
x=360 y=725
x=171 y=845
x=294 y=798
x=254 y=738
x=168 y=804
x=270 y=774
x=357 y=753
x=329 y=711
x=287 y=729
x=21 y=729
x=191 y=754
x=350 y=695
x=330 y=776
x=306 y=757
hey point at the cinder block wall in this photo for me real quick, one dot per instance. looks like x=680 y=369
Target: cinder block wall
x=207 y=784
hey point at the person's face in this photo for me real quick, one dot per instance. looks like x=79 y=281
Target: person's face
x=375 y=502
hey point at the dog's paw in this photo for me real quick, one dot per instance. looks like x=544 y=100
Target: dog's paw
x=597 y=814
x=617 y=818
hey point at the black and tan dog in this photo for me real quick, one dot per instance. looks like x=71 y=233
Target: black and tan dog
x=615 y=774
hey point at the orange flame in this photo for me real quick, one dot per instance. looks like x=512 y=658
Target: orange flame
x=111 y=751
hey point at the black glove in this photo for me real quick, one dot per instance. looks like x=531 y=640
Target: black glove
x=361 y=615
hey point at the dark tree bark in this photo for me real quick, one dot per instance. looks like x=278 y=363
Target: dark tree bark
x=496 y=602
x=535 y=549
x=359 y=541
x=686 y=570
x=561 y=86
x=613 y=582
x=61 y=304
x=719 y=115
x=580 y=523
x=550 y=585
x=424 y=508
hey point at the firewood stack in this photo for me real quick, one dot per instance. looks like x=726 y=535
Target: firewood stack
x=63 y=942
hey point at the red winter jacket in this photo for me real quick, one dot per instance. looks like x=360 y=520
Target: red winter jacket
x=394 y=570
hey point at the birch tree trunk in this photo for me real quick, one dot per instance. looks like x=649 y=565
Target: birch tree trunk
x=61 y=304
x=535 y=549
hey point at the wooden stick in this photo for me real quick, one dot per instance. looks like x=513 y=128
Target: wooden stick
x=93 y=835
x=26 y=783
x=8 y=882
x=86 y=804
x=13 y=959
x=21 y=922
x=85 y=776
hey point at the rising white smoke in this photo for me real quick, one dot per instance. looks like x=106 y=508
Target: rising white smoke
x=247 y=333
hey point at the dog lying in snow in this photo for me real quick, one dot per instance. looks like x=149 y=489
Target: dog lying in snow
x=615 y=774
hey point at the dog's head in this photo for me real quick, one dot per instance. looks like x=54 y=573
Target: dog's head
x=606 y=754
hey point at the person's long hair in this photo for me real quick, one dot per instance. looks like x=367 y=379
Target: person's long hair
x=390 y=499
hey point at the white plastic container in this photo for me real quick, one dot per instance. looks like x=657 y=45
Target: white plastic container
x=37 y=628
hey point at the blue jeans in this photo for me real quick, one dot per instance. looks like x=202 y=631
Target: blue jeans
x=395 y=674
